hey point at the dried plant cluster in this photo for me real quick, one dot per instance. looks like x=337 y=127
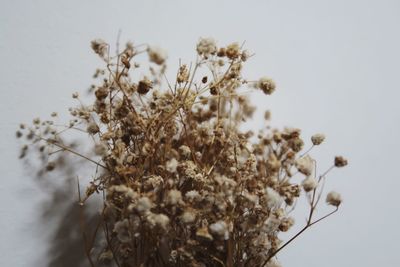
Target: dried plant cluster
x=181 y=184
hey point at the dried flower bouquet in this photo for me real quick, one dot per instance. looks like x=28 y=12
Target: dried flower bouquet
x=181 y=184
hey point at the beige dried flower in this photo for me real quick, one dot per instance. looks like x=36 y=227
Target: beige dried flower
x=333 y=198
x=144 y=86
x=157 y=55
x=100 y=47
x=340 y=161
x=305 y=165
x=92 y=128
x=100 y=149
x=274 y=200
x=188 y=217
x=317 y=139
x=193 y=195
x=143 y=204
x=309 y=184
x=160 y=220
x=174 y=197
x=267 y=85
x=220 y=229
x=233 y=51
x=206 y=47
x=185 y=151
x=172 y=165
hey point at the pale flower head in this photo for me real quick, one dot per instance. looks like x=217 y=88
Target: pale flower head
x=274 y=200
x=193 y=195
x=267 y=85
x=174 y=197
x=309 y=184
x=171 y=165
x=157 y=55
x=160 y=220
x=220 y=229
x=100 y=47
x=188 y=217
x=206 y=47
x=305 y=165
x=143 y=204
x=317 y=139
x=333 y=198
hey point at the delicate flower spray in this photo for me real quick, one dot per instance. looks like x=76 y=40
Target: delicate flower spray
x=180 y=183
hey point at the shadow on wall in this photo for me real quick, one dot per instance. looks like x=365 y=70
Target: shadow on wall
x=70 y=224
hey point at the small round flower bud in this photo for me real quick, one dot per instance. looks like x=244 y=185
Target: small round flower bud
x=340 y=161
x=317 y=139
x=267 y=85
x=144 y=86
x=233 y=51
x=333 y=198
x=157 y=55
x=206 y=47
x=305 y=165
x=92 y=128
x=309 y=184
x=99 y=47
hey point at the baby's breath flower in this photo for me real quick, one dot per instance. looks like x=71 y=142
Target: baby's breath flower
x=245 y=55
x=160 y=220
x=185 y=151
x=309 y=184
x=18 y=134
x=286 y=224
x=174 y=197
x=143 y=204
x=206 y=47
x=333 y=198
x=144 y=86
x=317 y=139
x=171 y=165
x=220 y=229
x=305 y=165
x=100 y=149
x=157 y=55
x=193 y=194
x=267 y=85
x=273 y=163
x=99 y=47
x=233 y=51
x=92 y=128
x=36 y=121
x=274 y=200
x=340 y=161
x=271 y=224
x=188 y=217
